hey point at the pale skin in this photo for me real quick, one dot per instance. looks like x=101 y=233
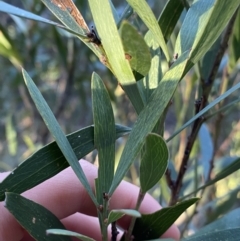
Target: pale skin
x=64 y=196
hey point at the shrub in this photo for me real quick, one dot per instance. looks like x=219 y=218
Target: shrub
x=138 y=56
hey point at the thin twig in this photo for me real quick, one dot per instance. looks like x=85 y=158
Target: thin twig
x=128 y=234
x=184 y=163
x=104 y=216
x=169 y=179
x=206 y=87
x=223 y=47
x=114 y=232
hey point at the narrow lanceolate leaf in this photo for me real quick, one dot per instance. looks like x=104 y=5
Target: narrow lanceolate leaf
x=63 y=232
x=49 y=161
x=150 y=82
x=126 y=13
x=57 y=133
x=115 y=13
x=207 y=108
x=149 y=117
x=114 y=215
x=208 y=60
x=33 y=217
x=223 y=235
x=8 y=48
x=203 y=25
x=111 y=42
x=11 y=136
x=104 y=135
x=7 y=8
x=154 y=161
x=207 y=149
x=234 y=50
x=136 y=50
x=69 y=15
x=152 y=226
x=169 y=17
x=229 y=221
x=233 y=167
x=145 y=13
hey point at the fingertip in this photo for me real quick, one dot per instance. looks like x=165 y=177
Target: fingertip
x=173 y=232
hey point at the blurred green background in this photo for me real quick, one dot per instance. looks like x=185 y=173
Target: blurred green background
x=62 y=66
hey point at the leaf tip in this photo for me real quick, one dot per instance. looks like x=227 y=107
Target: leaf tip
x=6 y=199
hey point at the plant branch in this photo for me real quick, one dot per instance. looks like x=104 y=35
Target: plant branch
x=222 y=49
x=206 y=87
x=169 y=180
x=114 y=232
x=104 y=216
x=184 y=163
x=128 y=234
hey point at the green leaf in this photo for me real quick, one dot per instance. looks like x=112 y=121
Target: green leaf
x=149 y=117
x=114 y=215
x=223 y=235
x=203 y=24
x=229 y=221
x=169 y=17
x=49 y=161
x=57 y=133
x=207 y=108
x=62 y=232
x=126 y=13
x=69 y=15
x=152 y=226
x=7 y=48
x=11 y=136
x=134 y=96
x=7 y=8
x=135 y=49
x=154 y=161
x=222 y=205
x=150 y=82
x=111 y=42
x=234 y=43
x=207 y=62
x=145 y=13
x=33 y=217
x=104 y=135
x=114 y=11
x=225 y=109
x=206 y=149
x=233 y=167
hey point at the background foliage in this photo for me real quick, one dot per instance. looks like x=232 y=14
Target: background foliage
x=62 y=66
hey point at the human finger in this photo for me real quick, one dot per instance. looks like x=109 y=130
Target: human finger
x=64 y=196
